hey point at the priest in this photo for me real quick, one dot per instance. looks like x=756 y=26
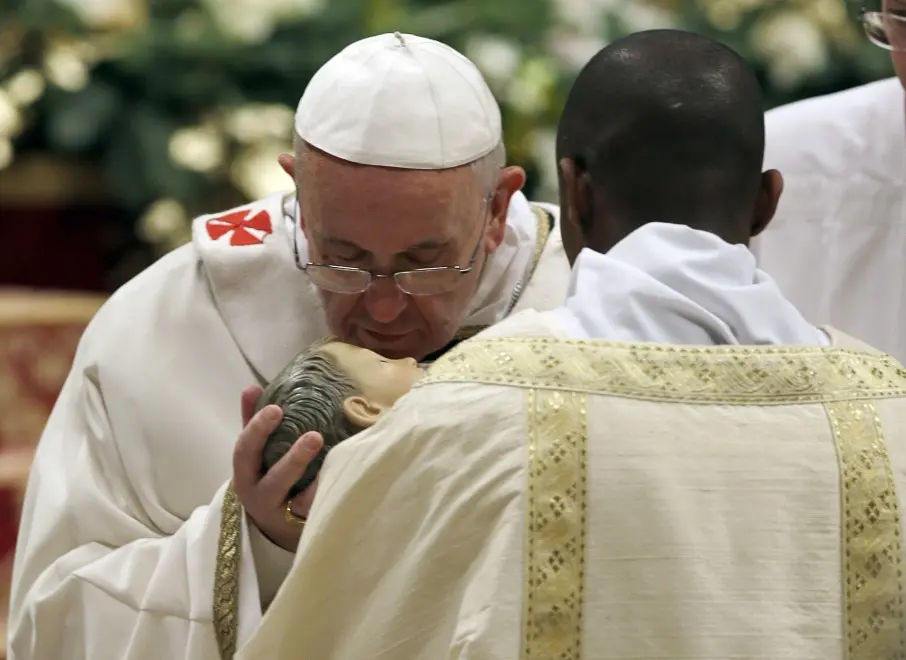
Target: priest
x=837 y=244
x=675 y=464
x=403 y=232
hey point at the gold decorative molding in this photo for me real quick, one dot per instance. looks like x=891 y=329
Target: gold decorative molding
x=37 y=307
x=43 y=179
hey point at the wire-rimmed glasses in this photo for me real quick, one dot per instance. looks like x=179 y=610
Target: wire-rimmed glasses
x=414 y=282
x=885 y=29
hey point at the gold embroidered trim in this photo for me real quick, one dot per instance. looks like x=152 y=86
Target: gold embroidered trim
x=872 y=548
x=226 y=576
x=555 y=538
x=744 y=375
x=543 y=223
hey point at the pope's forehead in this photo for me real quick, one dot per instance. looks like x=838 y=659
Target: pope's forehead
x=395 y=218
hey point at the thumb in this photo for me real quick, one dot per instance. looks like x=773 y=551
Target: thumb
x=250 y=396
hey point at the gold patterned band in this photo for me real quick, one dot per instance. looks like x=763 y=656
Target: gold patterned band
x=226 y=575
x=555 y=526
x=872 y=546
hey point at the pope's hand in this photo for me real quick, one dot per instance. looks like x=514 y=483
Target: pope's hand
x=264 y=497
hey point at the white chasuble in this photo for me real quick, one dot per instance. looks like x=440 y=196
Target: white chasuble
x=540 y=498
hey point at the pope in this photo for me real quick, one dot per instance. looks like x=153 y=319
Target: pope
x=404 y=232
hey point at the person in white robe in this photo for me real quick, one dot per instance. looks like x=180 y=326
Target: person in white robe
x=836 y=245
x=405 y=233
x=673 y=464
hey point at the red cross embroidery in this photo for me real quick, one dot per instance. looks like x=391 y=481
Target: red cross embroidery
x=238 y=224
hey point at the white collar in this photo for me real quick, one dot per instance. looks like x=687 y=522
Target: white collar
x=272 y=309
x=668 y=283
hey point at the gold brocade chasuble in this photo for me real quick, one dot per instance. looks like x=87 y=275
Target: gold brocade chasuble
x=675 y=503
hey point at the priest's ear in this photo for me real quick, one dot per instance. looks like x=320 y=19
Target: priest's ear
x=767 y=200
x=361 y=412
x=575 y=206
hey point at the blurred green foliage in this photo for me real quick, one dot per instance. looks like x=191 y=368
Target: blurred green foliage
x=119 y=90
x=183 y=62
x=800 y=48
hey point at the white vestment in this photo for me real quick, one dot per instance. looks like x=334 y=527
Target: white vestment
x=541 y=497
x=117 y=551
x=837 y=242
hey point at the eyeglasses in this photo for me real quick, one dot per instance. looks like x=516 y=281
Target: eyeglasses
x=885 y=29
x=415 y=282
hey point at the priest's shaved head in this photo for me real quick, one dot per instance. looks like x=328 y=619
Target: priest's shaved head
x=663 y=126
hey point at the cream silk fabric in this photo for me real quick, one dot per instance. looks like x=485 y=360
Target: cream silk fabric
x=541 y=497
x=603 y=500
x=837 y=242
x=118 y=550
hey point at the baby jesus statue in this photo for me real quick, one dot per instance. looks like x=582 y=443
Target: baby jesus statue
x=335 y=389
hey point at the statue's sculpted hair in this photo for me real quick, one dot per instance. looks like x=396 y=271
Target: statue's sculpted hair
x=310 y=391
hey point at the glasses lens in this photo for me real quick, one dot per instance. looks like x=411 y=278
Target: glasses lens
x=337 y=279
x=428 y=282
x=885 y=29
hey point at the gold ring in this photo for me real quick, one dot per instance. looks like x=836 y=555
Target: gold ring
x=291 y=517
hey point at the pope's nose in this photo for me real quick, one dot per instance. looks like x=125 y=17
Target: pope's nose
x=384 y=302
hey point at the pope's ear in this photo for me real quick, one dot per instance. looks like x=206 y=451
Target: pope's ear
x=288 y=164
x=362 y=412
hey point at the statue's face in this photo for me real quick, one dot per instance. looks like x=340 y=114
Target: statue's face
x=380 y=380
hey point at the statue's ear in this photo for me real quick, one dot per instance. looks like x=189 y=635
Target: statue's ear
x=362 y=412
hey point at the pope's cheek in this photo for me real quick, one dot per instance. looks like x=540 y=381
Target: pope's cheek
x=440 y=314
x=342 y=312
